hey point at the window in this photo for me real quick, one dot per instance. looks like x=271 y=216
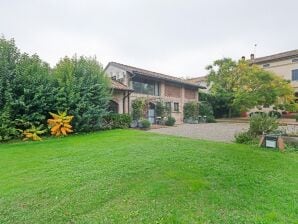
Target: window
x=295 y=75
x=176 y=107
x=145 y=86
x=266 y=65
x=168 y=107
x=295 y=60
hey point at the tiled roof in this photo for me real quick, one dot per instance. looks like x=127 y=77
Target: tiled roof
x=134 y=70
x=120 y=86
x=274 y=57
x=198 y=79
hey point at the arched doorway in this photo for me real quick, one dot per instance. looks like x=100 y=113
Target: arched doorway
x=113 y=107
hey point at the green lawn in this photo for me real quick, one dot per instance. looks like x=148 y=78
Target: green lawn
x=127 y=176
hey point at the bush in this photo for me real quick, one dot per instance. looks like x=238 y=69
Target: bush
x=84 y=91
x=262 y=123
x=7 y=128
x=205 y=109
x=191 y=110
x=145 y=124
x=60 y=123
x=274 y=113
x=113 y=121
x=138 y=109
x=30 y=89
x=34 y=133
x=210 y=119
x=245 y=138
x=296 y=117
x=170 y=121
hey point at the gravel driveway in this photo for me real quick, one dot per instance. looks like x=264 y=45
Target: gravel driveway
x=222 y=132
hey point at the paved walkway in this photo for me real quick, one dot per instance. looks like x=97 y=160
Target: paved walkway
x=222 y=132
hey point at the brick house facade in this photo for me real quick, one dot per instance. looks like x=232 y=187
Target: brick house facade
x=130 y=83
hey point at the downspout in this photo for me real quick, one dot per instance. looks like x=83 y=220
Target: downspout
x=123 y=103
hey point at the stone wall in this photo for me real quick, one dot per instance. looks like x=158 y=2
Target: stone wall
x=172 y=90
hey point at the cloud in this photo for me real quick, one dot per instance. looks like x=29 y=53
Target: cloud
x=174 y=37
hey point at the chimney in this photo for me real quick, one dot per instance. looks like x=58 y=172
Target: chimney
x=252 y=57
x=243 y=58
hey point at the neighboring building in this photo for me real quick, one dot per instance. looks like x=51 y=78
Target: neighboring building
x=130 y=83
x=201 y=81
x=283 y=64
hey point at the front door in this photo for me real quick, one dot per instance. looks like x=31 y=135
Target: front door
x=151 y=113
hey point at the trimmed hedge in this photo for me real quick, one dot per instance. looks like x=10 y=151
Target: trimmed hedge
x=113 y=121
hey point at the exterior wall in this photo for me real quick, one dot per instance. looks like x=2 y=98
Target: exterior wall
x=169 y=92
x=172 y=90
x=190 y=94
x=180 y=98
x=118 y=98
x=283 y=68
x=120 y=74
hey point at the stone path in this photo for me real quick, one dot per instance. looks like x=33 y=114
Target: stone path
x=222 y=132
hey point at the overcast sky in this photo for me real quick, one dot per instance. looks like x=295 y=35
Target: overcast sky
x=173 y=37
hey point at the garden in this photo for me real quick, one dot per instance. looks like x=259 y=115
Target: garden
x=37 y=100
x=130 y=176
x=124 y=176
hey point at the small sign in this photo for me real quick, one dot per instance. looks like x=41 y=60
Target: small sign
x=270 y=143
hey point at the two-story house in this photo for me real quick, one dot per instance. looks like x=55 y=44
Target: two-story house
x=130 y=83
x=284 y=64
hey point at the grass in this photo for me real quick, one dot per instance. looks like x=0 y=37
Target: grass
x=127 y=176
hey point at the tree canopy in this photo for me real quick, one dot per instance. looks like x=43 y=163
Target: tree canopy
x=30 y=89
x=244 y=86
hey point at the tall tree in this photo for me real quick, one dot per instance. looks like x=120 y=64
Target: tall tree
x=33 y=90
x=245 y=86
x=9 y=55
x=85 y=91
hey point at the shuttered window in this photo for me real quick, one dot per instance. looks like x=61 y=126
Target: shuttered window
x=295 y=75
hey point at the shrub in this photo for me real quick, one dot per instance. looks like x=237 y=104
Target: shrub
x=245 y=138
x=274 y=113
x=210 y=119
x=31 y=89
x=205 y=109
x=262 y=123
x=117 y=121
x=84 y=91
x=145 y=124
x=191 y=110
x=60 y=124
x=33 y=133
x=170 y=121
x=138 y=109
x=161 y=109
x=7 y=128
x=296 y=117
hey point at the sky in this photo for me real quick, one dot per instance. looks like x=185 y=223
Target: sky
x=175 y=37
